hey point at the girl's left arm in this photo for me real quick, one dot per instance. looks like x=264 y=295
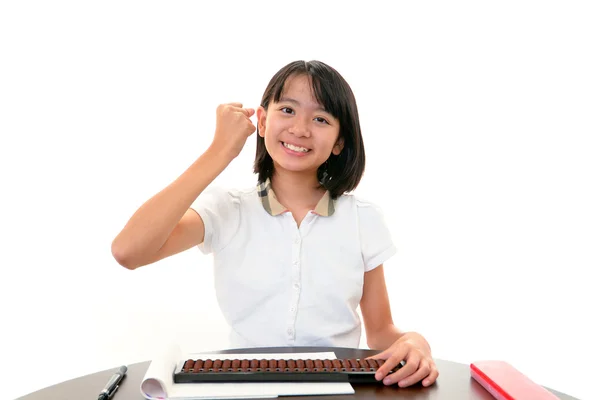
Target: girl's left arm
x=396 y=345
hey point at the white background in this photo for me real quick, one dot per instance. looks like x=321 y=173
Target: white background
x=481 y=123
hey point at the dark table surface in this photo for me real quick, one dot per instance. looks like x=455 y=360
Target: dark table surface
x=454 y=382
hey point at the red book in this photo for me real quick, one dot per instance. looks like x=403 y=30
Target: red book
x=505 y=382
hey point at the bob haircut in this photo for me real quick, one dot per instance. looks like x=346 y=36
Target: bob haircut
x=339 y=174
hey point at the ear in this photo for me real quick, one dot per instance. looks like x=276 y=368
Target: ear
x=261 y=120
x=339 y=146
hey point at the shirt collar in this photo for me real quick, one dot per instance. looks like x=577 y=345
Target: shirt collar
x=325 y=207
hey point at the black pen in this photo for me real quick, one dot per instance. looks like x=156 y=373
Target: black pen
x=113 y=384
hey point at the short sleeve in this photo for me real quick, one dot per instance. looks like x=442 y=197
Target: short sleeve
x=376 y=241
x=219 y=209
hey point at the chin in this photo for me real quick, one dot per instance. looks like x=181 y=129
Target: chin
x=295 y=165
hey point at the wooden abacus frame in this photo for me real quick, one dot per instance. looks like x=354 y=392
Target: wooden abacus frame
x=360 y=370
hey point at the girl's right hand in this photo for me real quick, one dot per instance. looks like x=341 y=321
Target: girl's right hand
x=232 y=129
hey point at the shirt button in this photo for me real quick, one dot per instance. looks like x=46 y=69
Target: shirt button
x=296 y=263
x=290 y=331
x=296 y=286
x=292 y=309
x=297 y=240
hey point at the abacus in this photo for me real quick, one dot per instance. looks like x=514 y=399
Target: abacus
x=359 y=370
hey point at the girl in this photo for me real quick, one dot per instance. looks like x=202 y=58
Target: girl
x=296 y=255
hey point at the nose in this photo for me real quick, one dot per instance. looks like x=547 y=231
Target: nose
x=300 y=128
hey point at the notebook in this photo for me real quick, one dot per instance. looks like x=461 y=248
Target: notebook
x=505 y=382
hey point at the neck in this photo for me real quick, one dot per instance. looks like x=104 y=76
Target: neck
x=297 y=189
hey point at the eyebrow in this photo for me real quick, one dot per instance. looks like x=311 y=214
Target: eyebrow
x=297 y=103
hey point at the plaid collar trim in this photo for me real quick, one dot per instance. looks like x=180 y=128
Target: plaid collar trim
x=325 y=207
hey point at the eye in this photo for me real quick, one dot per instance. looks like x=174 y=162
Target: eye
x=322 y=120
x=287 y=110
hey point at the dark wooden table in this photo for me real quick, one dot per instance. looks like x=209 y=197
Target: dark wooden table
x=454 y=382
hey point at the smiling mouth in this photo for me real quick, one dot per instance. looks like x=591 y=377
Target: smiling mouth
x=295 y=148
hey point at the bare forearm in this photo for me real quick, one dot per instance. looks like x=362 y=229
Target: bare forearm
x=384 y=338
x=150 y=226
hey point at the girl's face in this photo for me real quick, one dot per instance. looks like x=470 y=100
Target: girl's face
x=299 y=135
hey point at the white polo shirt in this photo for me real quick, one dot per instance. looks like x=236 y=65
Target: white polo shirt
x=278 y=284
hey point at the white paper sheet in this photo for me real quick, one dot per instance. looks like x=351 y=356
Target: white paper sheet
x=158 y=382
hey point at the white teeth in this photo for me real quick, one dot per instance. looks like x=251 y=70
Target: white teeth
x=295 y=148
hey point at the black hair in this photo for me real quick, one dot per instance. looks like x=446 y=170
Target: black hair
x=341 y=173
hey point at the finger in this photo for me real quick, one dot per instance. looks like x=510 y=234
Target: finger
x=248 y=112
x=392 y=362
x=433 y=375
x=410 y=367
x=378 y=356
x=382 y=355
x=238 y=105
x=421 y=373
